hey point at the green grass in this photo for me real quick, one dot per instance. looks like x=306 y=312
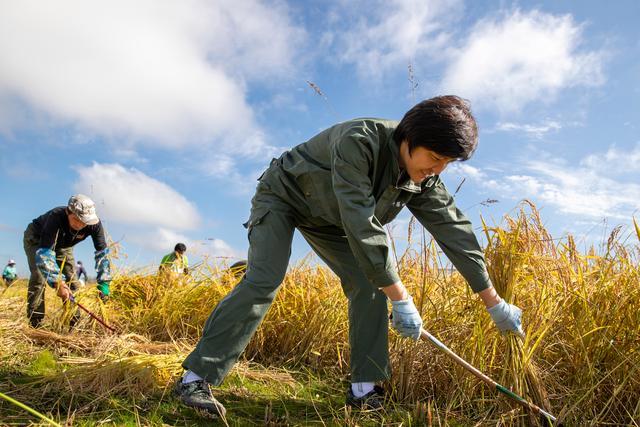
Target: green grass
x=308 y=399
x=44 y=363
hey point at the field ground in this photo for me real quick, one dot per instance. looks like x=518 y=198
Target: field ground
x=579 y=360
x=253 y=394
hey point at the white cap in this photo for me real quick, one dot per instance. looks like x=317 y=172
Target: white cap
x=84 y=208
x=11 y=262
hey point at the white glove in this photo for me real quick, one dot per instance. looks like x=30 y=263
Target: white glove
x=507 y=317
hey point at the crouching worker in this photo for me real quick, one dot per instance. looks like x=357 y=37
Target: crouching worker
x=238 y=268
x=48 y=244
x=177 y=261
x=9 y=274
x=338 y=190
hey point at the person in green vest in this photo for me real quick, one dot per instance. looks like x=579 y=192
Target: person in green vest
x=338 y=190
x=176 y=261
x=9 y=274
x=238 y=268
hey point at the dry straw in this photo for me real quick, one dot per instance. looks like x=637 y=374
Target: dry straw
x=579 y=360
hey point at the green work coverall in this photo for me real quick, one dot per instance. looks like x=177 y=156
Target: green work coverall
x=338 y=189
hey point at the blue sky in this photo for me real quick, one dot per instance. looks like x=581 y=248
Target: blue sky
x=166 y=112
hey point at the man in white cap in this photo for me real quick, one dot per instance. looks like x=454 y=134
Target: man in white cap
x=9 y=274
x=48 y=244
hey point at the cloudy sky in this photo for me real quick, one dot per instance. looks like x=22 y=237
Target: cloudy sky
x=166 y=112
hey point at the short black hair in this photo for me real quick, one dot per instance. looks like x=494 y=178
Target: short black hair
x=443 y=124
x=180 y=247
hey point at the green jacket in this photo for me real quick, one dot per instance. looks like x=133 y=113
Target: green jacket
x=349 y=176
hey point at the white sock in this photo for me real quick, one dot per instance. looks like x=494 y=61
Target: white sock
x=360 y=389
x=190 y=377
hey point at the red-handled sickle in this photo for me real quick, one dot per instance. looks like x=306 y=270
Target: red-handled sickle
x=86 y=310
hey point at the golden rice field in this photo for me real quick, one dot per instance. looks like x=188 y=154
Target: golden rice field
x=580 y=359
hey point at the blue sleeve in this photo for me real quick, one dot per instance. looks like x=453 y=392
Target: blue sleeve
x=47 y=265
x=103 y=266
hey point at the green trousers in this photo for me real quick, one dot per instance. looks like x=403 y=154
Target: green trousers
x=237 y=316
x=37 y=283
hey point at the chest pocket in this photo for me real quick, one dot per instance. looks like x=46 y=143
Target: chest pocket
x=317 y=187
x=390 y=204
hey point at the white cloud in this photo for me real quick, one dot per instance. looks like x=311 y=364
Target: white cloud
x=537 y=131
x=128 y=196
x=521 y=58
x=129 y=155
x=398 y=32
x=527 y=186
x=233 y=181
x=165 y=73
x=464 y=170
x=162 y=240
x=615 y=161
x=218 y=248
x=219 y=165
x=578 y=190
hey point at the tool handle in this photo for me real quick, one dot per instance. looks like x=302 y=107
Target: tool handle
x=428 y=337
x=93 y=316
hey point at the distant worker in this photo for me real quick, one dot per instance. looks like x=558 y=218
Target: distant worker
x=176 y=261
x=238 y=268
x=81 y=272
x=9 y=275
x=48 y=244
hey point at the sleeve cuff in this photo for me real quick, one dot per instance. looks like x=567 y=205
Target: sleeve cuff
x=480 y=282
x=384 y=278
